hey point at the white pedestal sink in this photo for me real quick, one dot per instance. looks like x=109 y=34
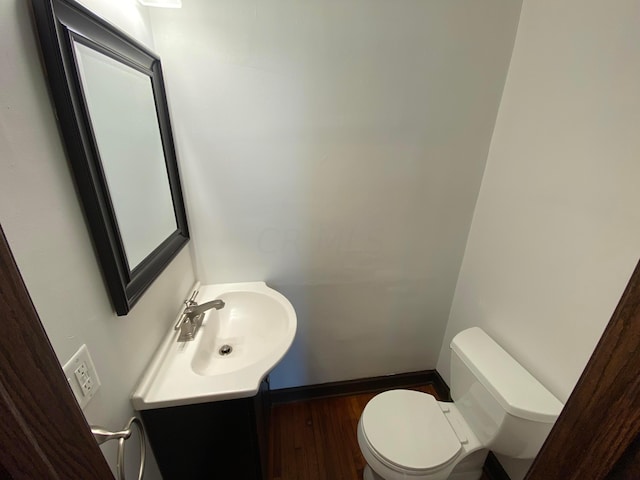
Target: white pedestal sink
x=233 y=351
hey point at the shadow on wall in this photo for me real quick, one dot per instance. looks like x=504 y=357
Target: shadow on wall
x=360 y=330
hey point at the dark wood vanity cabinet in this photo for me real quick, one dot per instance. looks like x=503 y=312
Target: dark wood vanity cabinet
x=218 y=440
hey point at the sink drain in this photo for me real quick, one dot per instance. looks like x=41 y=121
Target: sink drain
x=225 y=350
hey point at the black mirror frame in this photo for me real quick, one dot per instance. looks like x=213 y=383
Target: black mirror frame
x=58 y=24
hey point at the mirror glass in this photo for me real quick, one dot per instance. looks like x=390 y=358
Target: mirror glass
x=125 y=126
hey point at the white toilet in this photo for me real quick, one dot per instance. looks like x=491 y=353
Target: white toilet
x=498 y=406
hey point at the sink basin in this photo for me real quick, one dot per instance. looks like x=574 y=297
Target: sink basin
x=251 y=324
x=233 y=351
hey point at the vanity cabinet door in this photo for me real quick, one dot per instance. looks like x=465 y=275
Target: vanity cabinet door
x=219 y=440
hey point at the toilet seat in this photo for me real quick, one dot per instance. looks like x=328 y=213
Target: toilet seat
x=406 y=430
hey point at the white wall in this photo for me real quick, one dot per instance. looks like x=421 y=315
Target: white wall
x=41 y=217
x=556 y=231
x=335 y=150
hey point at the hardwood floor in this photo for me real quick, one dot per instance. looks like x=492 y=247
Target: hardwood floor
x=317 y=439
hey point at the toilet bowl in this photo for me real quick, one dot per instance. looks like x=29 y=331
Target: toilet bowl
x=404 y=434
x=498 y=406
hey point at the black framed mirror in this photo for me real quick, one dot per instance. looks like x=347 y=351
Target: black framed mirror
x=110 y=101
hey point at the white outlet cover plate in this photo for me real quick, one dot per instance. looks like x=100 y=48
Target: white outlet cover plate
x=80 y=357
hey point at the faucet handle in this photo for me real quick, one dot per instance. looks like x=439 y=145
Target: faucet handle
x=192 y=300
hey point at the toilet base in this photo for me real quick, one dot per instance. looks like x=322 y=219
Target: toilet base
x=465 y=476
x=469 y=468
x=369 y=474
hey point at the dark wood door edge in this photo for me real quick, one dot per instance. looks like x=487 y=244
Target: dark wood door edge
x=362 y=385
x=43 y=433
x=596 y=435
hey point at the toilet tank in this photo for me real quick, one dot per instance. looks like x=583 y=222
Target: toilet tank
x=510 y=412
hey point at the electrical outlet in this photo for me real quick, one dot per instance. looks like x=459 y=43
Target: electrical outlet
x=82 y=376
x=87 y=387
x=82 y=373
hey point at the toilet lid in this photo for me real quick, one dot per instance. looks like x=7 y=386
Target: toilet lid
x=408 y=429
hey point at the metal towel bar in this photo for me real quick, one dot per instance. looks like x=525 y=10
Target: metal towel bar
x=102 y=435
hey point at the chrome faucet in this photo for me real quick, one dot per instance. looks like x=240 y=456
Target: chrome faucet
x=194 y=310
x=192 y=316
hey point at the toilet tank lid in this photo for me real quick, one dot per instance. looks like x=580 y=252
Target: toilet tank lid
x=519 y=393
